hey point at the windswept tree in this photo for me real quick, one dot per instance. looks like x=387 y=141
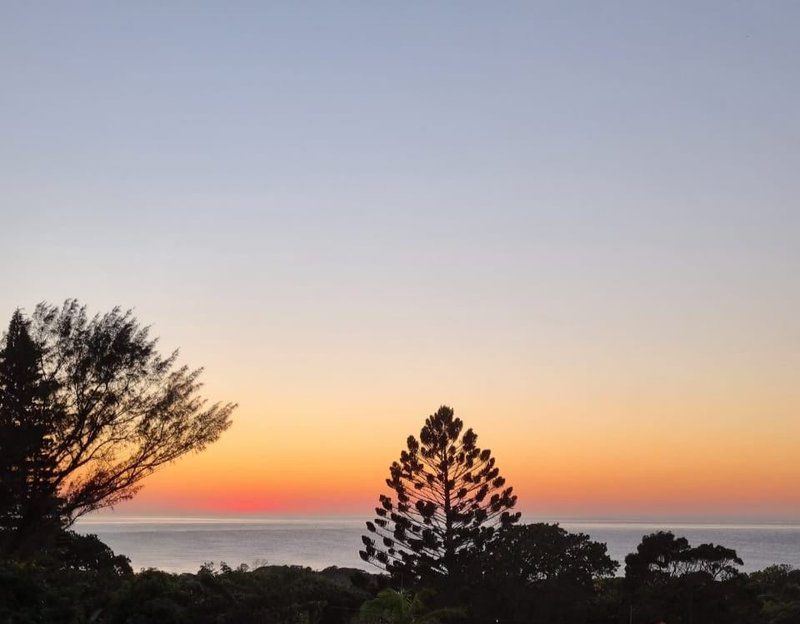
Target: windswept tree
x=89 y=408
x=449 y=499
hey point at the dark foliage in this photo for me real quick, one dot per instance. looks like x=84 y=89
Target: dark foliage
x=540 y=573
x=71 y=581
x=265 y=595
x=28 y=497
x=449 y=498
x=391 y=606
x=668 y=579
x=86 y=553
x=778 y=591
x=663 y=556
x=88 y=408
x=280 y=595
x=537 y=573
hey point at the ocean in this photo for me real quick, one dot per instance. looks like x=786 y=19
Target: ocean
x=184 y=544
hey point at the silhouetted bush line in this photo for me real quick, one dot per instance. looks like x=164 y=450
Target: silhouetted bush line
x=550 y=576
x=62 y=588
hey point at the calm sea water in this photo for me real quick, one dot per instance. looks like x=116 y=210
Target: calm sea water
x=183 y=544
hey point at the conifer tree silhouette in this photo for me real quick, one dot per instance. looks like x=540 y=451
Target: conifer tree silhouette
x=28 y=499
x=449 y=499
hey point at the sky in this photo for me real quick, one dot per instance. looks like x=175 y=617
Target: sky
x=578 y=224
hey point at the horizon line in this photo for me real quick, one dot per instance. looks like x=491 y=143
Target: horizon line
x=654 y=521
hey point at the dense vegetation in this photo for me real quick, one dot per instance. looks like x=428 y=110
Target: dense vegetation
x=554 y=577
x=88 y=408
x=39 y=593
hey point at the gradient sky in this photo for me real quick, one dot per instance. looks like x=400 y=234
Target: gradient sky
x=576 y=223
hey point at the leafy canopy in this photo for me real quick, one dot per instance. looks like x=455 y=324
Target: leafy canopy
x=661 y=556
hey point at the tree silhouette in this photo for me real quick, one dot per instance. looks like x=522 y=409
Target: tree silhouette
x=539 y=573
x=88 y=408
x=668 y=579
x=27 y=495
x=661 y=556
x=449 y=499
x=545 y=553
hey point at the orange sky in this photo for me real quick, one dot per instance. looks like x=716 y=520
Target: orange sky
x=596 y=437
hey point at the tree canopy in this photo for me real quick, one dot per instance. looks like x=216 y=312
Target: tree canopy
x=666 y=578
x=661 y=555
x=542 y=553
x=540 y=573
x=88 y=408
x=448 y=498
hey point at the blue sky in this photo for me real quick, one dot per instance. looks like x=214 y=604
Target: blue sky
x=539 y=192
x=187 y=131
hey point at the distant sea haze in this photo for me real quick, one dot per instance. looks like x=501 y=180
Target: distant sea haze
x=183 y=544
